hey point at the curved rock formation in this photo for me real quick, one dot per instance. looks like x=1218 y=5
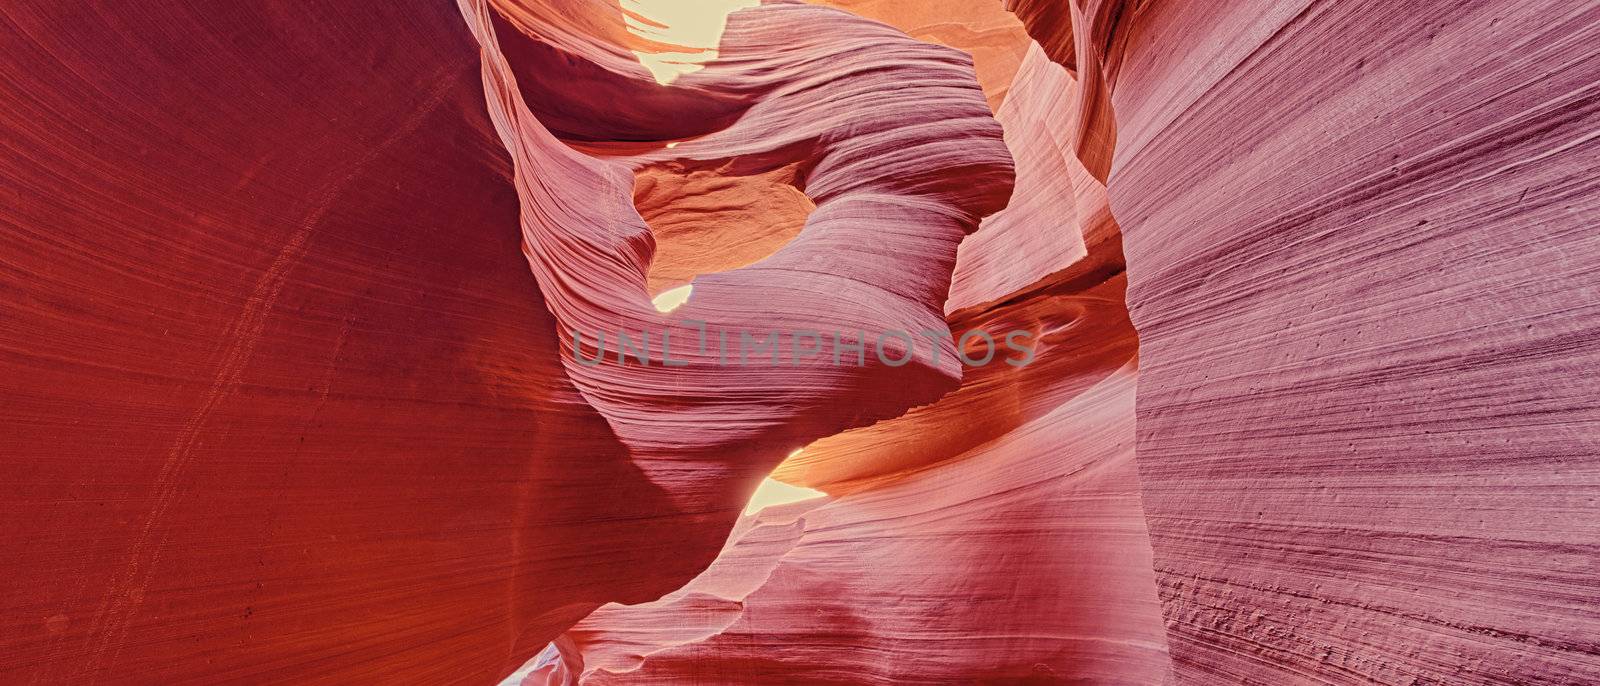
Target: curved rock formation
x=303 y=303
x=1014 y=548
x=1274 y=566
x=1014 y=552
x=894 y=195
x=1363 y=440
x=367 y=487
x=273 y=368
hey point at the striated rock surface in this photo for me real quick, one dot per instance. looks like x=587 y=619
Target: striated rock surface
x=274 y=373
x=1058 y=225
x=304 y=411
x=1332 y=495
x=1011 y=549
x=1012 y=552
x=994 y=38
x=1361 y=258
x=302 y=302
x=894 y=193
x=1054 y=582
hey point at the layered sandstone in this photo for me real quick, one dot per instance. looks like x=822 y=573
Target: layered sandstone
x=1361 y=262
x=302 y=299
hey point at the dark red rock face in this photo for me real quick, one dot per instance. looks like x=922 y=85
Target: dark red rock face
x=296 y=303
x=275 y=372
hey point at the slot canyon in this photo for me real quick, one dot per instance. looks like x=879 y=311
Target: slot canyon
x=558 y=342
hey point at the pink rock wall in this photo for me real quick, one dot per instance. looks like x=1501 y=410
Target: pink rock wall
x=1003 y=521
x=998 y=567
x=1013 y=552
x=1362 y=262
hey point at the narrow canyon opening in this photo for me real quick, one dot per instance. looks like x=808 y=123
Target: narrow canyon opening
x=1049 y=263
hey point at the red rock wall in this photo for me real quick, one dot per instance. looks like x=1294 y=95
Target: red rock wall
x=273 y=369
